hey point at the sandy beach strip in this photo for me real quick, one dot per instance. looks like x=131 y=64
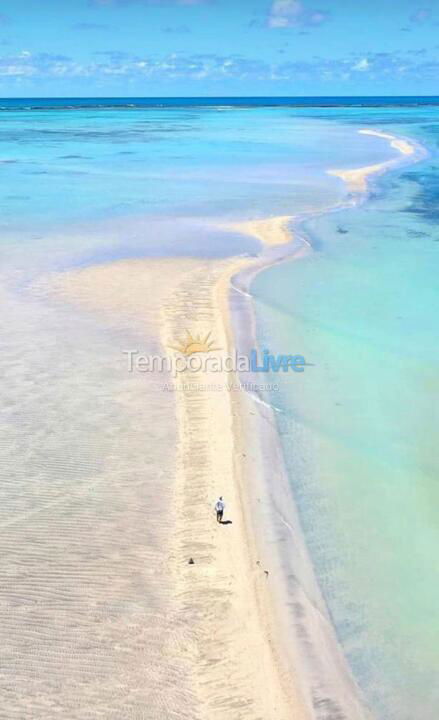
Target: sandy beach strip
x=239 y=671
x=404 y=146
x=256 y=644
x=249 y=627
x=236 y=632
x=271 y=231
x=227 y=633
x=356 y=178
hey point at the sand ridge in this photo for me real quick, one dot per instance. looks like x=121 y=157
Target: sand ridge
x=270 y=231
x=218 y=635
x=213 y=650
x=222 y=601
x=356 y=178
x=227 y=638
x=404 y=146
x=238 y=670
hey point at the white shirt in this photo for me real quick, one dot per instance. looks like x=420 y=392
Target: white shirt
x=220 y=505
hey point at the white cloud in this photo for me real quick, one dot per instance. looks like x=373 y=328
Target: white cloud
x=279 y=22
x=362 y=65
x=128 y=67
x=17 y=70
x=293 y=13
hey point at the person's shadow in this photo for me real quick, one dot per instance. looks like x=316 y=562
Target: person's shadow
x=226 y=522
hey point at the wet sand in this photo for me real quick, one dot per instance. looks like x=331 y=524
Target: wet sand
x=269 y=231
x=222 y=600
x=120 y=624
x=254 y=633
x=357 y=178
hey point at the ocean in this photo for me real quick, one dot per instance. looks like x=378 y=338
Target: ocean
x=362 y=308
x=91 y=181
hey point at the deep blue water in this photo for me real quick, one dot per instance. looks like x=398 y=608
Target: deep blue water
x=215 y=102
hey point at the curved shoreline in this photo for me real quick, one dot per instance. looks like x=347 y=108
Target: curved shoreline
x=356 y=179
x=256 y=644
x=327 y=683
x=220 y=603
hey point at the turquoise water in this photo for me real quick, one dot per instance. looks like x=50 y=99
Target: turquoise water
x=109 y=163
x=363 y=308
x=87 y=185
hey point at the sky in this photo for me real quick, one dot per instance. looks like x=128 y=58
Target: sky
x=105 y=48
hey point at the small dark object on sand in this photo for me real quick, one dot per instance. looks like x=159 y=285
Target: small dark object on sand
x=266 y=572
x=191 y=561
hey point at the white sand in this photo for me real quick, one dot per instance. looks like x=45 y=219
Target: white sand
x=404 y=147
x=88 y=626
x=222 y=601
x=235 y=639
x=246 y=653
x=102 y=614
x=270 y=231
x=356 y=179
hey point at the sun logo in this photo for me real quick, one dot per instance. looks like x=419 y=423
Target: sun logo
x=195 y=344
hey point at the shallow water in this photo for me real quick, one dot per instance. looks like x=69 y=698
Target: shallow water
x=80 y=187
x=361 y=423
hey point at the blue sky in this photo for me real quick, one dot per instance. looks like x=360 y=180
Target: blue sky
x=218 y=47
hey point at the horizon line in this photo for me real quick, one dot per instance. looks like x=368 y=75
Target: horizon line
x=202 y=97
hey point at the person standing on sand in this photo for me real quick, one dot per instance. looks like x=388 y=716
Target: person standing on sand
x=219 y=509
